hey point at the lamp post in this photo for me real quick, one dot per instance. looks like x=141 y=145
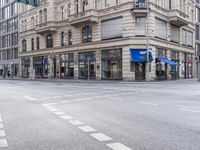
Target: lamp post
x=147 y=42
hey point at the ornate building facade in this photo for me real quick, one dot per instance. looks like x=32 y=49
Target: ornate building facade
x=107 y=40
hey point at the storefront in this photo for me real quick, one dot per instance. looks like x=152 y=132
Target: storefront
x=25 y=64
x=139 y=59
x=111 y=64
x=40 y=66
x=67 y=66
x=188 y=66
x=161 y=67
x=87 y=63
x=174 y=71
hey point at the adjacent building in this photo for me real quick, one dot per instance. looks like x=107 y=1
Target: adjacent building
x=107 y=40
x=9 y=63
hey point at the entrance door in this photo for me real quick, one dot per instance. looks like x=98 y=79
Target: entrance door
x=140 y=71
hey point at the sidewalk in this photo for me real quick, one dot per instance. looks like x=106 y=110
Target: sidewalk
x=194 y=80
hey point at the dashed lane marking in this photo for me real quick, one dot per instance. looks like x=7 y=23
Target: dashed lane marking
x=2 y=133
x=146 y=103
x=118 y=146
x=59 y=113
x=0 y=120
x=30 y=98
x=75 y=122
x=66 y=117
x=190 y=110
x=101 y=137
x=3 y=143
x=86 y=129
x=1 y=125
x=53 y=109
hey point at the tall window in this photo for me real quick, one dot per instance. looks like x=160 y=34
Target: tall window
x=62 y=38
x=87 y=34
x=161 y=28
x=140 y=27
x=77 y=6
x=49 y=41
x=69 y=9
x=32 y=22
x=32 y=44
x=175 y=33
x=24 y=46
x=62 y=13
x=69 y=37
x=38 y=43
x=40 y=17
x=112 y=28
x=45 y=15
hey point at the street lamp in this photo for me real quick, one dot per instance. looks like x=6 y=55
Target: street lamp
x=147 y=42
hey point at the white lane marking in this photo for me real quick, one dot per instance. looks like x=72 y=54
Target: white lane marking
x=1 y=125
x=65 y=102
x=118 y=146
x=101 y=137
x=49 y=107
x=0 y=119
x=190 y=110
x=116 y=98
x=2 y=133
x=3 y=143
x=86 y=129
x=45 y=98
x=75 y=122
x=193 y=107
x=66 y=117
x=54 y=109
x=146 y=103
x=30 y=98
x=59 y=113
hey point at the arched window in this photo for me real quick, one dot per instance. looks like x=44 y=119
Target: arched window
x=87 y=34
x=24 y=46
x=49 y=41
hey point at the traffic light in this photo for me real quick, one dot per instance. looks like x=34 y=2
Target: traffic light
x=34 y=3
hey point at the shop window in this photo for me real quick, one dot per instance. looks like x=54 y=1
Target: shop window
x=87 y=34
x=132 y=66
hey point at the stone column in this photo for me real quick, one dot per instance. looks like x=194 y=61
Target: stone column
x=76 y=65
x=98 y=65
x=50 y=67
x=31 y=69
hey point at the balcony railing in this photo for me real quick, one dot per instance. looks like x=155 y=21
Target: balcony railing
x=50 y=26
x=178 y=18
x=88 y=16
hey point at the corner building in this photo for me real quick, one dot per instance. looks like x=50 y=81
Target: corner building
x=106 y=40
x=9 y=62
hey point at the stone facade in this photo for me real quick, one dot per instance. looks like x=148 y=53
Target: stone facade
x=63 y=23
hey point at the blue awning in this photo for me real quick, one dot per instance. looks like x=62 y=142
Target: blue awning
x=167 y=61
x=140 y=55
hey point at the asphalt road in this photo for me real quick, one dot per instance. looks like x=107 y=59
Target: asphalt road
x=36 y=115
